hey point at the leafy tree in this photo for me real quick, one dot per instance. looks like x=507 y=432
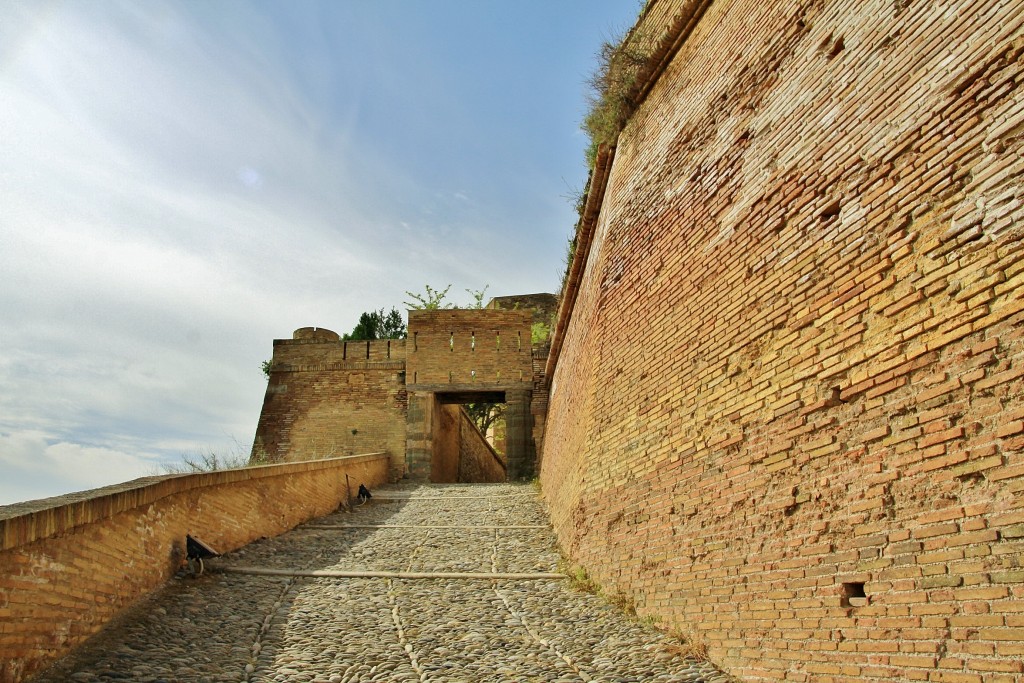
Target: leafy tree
x=485 y=415
x=378 y=325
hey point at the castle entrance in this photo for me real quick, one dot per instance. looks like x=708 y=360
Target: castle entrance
x=469 y=438
x=467 y=370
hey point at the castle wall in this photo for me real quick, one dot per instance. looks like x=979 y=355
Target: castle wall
x=327 y=397
x=478 y=462
x=69 y=564
x=467 y=355
x=795 y=365
x=457 y=349
x=444 y=460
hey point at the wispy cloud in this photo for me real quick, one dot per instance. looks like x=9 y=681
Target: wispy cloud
x=182 y=182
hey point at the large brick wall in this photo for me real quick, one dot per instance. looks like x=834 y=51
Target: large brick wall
x=795 y=364
x=464 y=349
x=70 y=564
x=327 y=397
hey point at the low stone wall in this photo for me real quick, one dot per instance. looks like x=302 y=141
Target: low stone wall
x=70 y=564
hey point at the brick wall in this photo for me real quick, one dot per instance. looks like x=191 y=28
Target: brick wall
x=478 y=462
x=327 y=397
x=469 y=348
x=795 y=363
x=69 y=564
x=444 y=461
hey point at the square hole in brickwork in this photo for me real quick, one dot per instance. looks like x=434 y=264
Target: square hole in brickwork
x=853 y=595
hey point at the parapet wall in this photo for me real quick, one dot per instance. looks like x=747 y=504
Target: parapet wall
x=486 y=348
x=794 y=370
x=70 y=564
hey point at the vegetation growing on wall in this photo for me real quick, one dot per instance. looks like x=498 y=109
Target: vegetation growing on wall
x=612 y=99
x=433 y=299
x=612 y=91
x=237 y=456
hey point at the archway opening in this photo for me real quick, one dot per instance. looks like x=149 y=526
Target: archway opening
x=468 y=444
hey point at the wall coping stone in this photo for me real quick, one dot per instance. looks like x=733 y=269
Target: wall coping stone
x=24 y=523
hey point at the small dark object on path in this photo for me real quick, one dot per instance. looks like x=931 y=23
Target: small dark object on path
x=195 y=552
x=364 y=494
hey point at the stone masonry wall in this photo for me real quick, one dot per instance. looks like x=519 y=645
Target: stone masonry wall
x=795 y=366
x=478 y=463
x=450 y=349
x=70 y=564
x=327 y=397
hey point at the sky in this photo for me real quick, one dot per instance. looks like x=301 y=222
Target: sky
x=183 y=182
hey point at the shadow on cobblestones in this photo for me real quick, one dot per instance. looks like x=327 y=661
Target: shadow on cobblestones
x=227 y=626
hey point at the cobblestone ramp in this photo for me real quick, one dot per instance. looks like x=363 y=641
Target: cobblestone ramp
x=231 y=626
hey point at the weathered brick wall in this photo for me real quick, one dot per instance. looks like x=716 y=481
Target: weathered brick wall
x=478 y=462
x=444 y=461
x=796 y=360
x=469 y=348
x=327 y=397
x=69 y=564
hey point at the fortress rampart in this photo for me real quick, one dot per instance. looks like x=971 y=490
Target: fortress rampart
x=785 y=413
x=69 y=564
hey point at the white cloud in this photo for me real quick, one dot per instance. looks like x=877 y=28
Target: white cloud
x=171 y=199
x=34 y=466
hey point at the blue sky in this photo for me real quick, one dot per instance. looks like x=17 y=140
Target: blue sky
x=183 y=182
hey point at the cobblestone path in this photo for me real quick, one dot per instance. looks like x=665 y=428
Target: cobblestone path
x=227 y=625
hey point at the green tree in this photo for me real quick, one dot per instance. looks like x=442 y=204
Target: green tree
x=378 y=325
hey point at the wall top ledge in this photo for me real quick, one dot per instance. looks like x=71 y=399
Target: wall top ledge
x=23 y=523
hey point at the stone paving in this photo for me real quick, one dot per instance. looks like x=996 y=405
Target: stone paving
x=230 y=626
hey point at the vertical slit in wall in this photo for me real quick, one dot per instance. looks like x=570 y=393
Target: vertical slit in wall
x=497 y=339
x=472 y=341
x=451 y=341
x=519 y=341
x=344 y=350
x=415 y=341
x=367 y=350
x=449 y=377
x=414 y=377
x=389 y=349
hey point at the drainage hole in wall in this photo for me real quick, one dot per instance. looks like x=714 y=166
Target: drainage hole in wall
x=854 y=595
